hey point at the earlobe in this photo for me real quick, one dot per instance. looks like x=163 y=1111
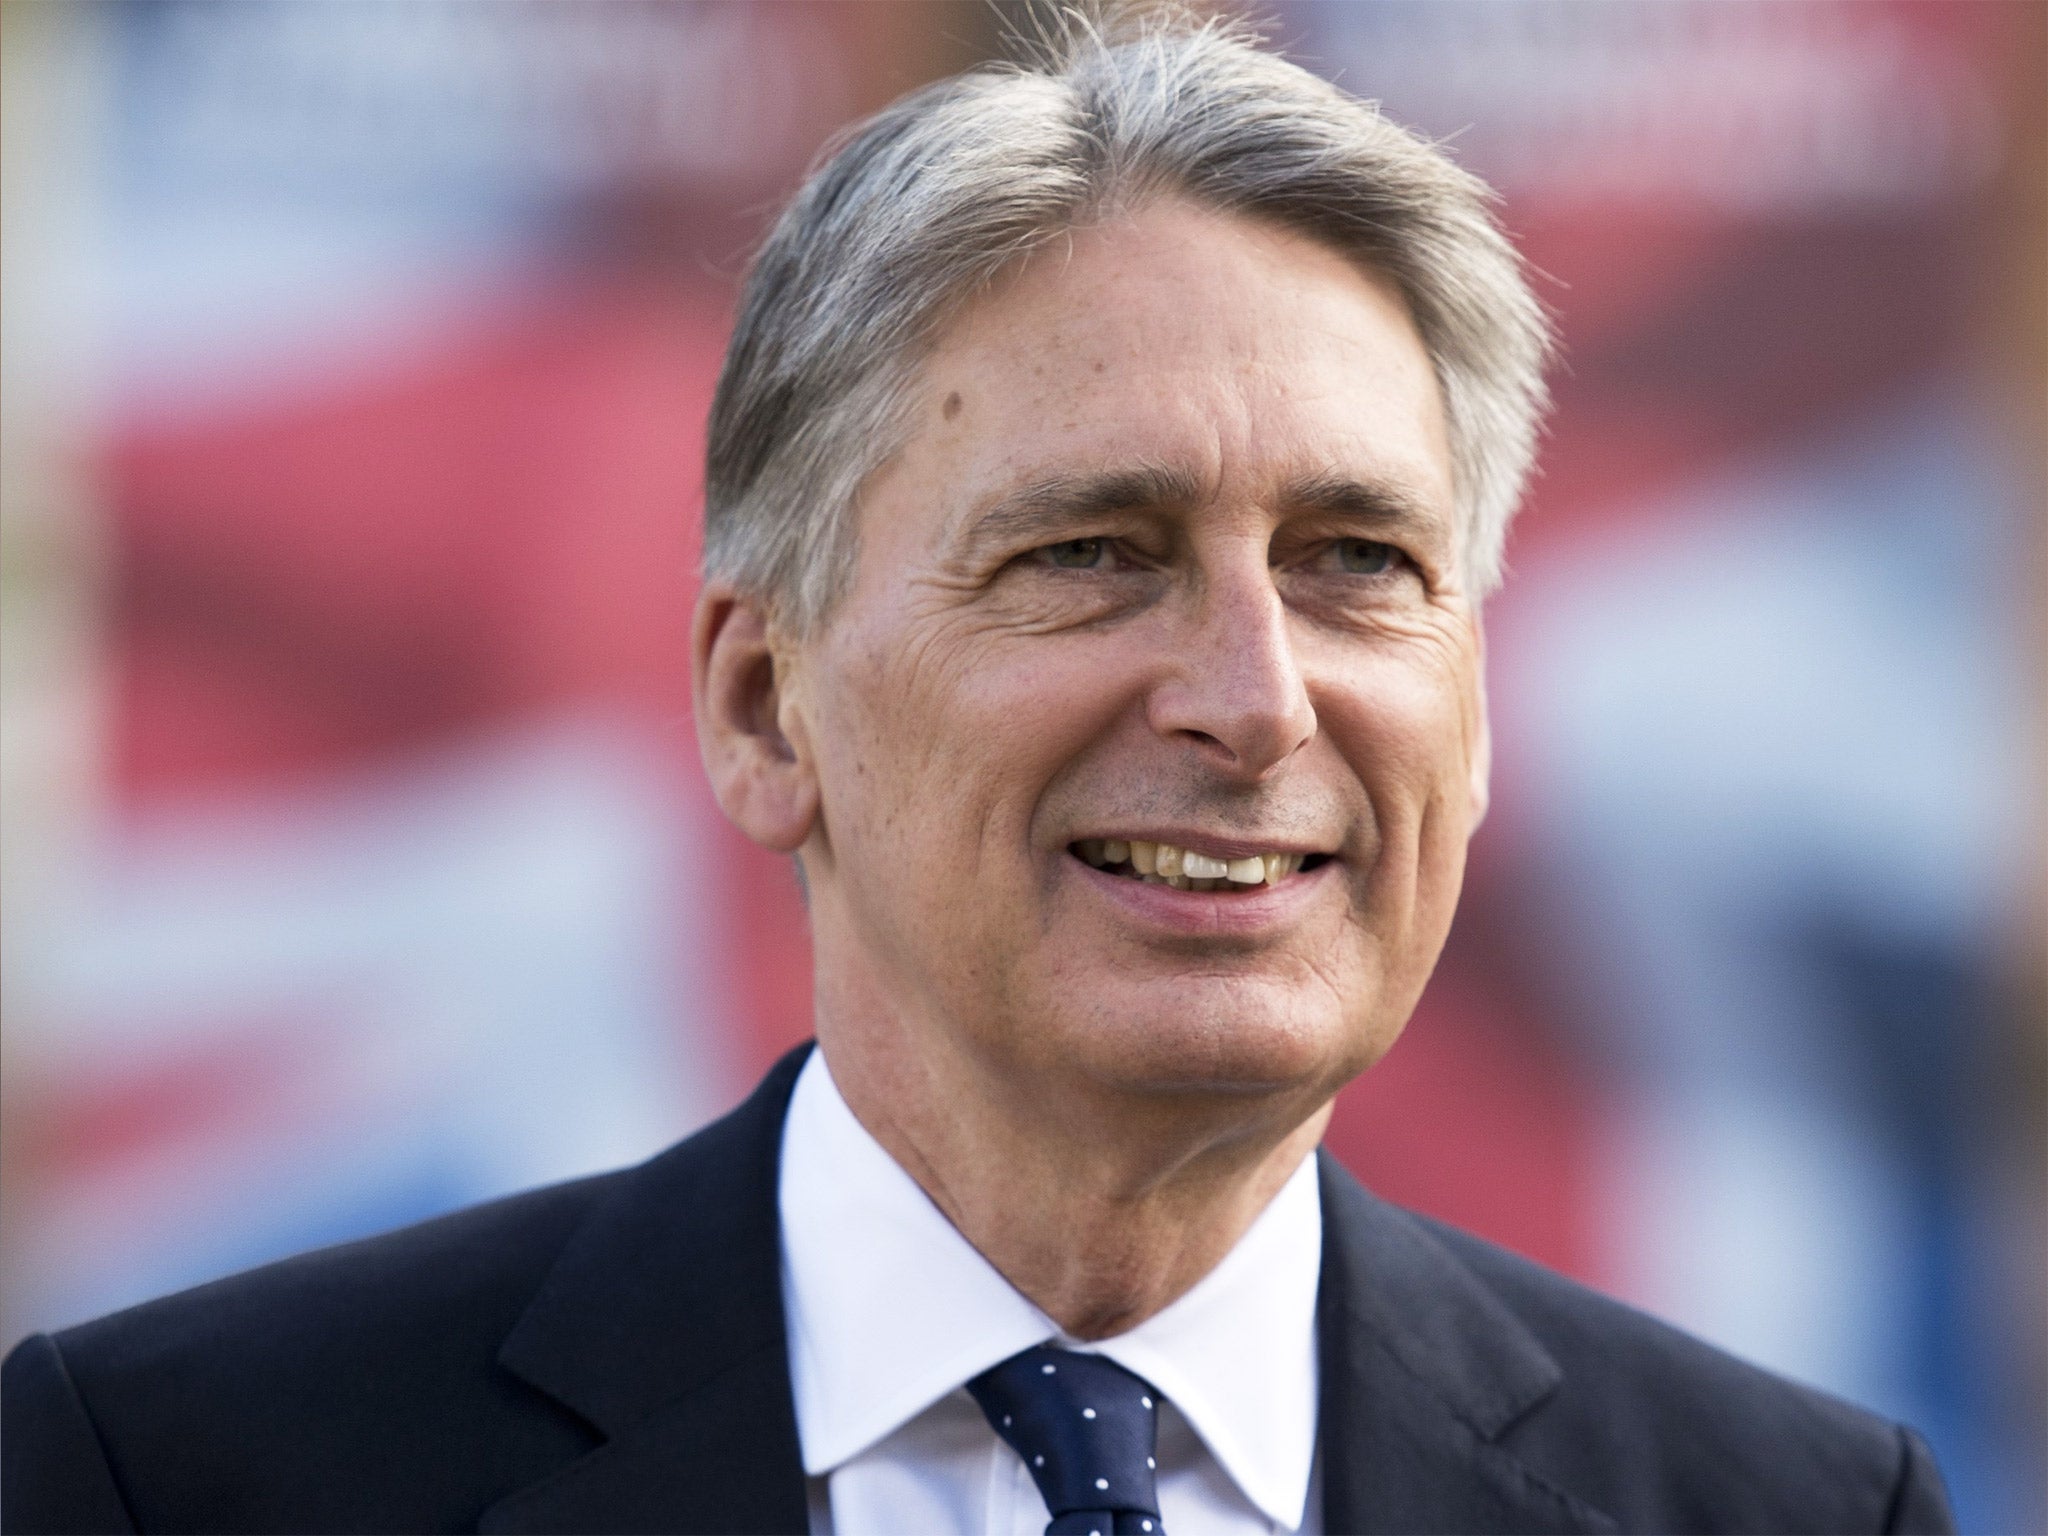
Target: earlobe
x=749 y=728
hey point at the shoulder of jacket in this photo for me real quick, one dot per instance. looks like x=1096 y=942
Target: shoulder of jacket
x=1644 y=1408
x=469 y=1268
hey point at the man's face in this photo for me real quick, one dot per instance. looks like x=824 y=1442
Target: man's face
x=1169 y=557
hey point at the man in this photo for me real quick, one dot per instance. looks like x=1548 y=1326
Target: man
x=1108 y=467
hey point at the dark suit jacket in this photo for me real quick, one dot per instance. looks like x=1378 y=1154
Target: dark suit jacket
x=609 y=1355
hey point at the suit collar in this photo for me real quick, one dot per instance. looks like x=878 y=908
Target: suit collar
x=890 y=1308
x=661 y=1323
x=1423 y=1372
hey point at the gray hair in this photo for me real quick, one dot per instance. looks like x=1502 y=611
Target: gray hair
x=924 y=204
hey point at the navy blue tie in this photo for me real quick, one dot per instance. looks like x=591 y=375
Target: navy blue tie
x=1087 y=1429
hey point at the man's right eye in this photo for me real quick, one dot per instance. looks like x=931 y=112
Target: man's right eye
x=1074 y=554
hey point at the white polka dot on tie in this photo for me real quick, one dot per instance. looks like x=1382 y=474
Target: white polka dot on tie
x=1038 y=1461
x=1146 y=1401
x=1087 y=1413
x=1146 y=1524
x=1006 y=1421
x=1151 y=1463
x=1048 y=1369
x=1102 y=1483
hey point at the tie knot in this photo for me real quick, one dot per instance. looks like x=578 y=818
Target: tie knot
x=1087 y=1429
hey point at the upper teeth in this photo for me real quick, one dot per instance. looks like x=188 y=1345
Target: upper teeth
x=1186 y=870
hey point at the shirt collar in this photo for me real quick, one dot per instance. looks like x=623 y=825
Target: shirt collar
x=890 y=1308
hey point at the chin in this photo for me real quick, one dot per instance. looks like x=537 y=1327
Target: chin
x=1240 y=1040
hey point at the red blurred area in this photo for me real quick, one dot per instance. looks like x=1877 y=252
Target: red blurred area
x=504 y=527
x=159 y=1101
x=1474 y=1118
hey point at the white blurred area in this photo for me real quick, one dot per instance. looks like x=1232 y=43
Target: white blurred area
x=326 y=181
x=335 y=1013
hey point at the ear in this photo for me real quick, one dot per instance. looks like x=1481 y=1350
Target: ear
x=739 y=683
x=1480 y=788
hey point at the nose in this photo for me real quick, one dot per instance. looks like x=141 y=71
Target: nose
x=1233 y=684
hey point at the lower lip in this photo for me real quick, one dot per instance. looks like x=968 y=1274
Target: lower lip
x=1247 y=913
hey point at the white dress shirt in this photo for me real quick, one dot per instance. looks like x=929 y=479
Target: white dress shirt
x=891 y=1311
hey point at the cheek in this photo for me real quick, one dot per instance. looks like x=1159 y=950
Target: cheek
x=1404 y=720
x=945 y=741
x=1408 y=741
x=1407 y=728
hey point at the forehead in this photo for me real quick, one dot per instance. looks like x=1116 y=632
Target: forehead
x=1231 y=355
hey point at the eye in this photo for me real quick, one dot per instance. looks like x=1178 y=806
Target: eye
x=1074 y=554
x=1366 y=557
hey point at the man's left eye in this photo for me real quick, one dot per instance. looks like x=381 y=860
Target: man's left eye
x=1075 y=554
x=1366 y=557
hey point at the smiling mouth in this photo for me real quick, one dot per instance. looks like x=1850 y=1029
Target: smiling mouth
x=1186 y=870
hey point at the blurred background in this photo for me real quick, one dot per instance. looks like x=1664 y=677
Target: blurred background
x=358 y=860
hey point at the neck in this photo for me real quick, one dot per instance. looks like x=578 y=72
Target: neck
x=1101 y=1206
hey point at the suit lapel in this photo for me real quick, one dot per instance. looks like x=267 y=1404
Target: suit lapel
x=662 y=1325
x=1422 y=1370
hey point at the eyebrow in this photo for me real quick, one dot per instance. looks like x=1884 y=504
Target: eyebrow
x=1037 y=512
x=1032 y=512
x=1384 y=504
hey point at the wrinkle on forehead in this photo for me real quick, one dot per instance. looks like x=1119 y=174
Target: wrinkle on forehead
x=1068 y=351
